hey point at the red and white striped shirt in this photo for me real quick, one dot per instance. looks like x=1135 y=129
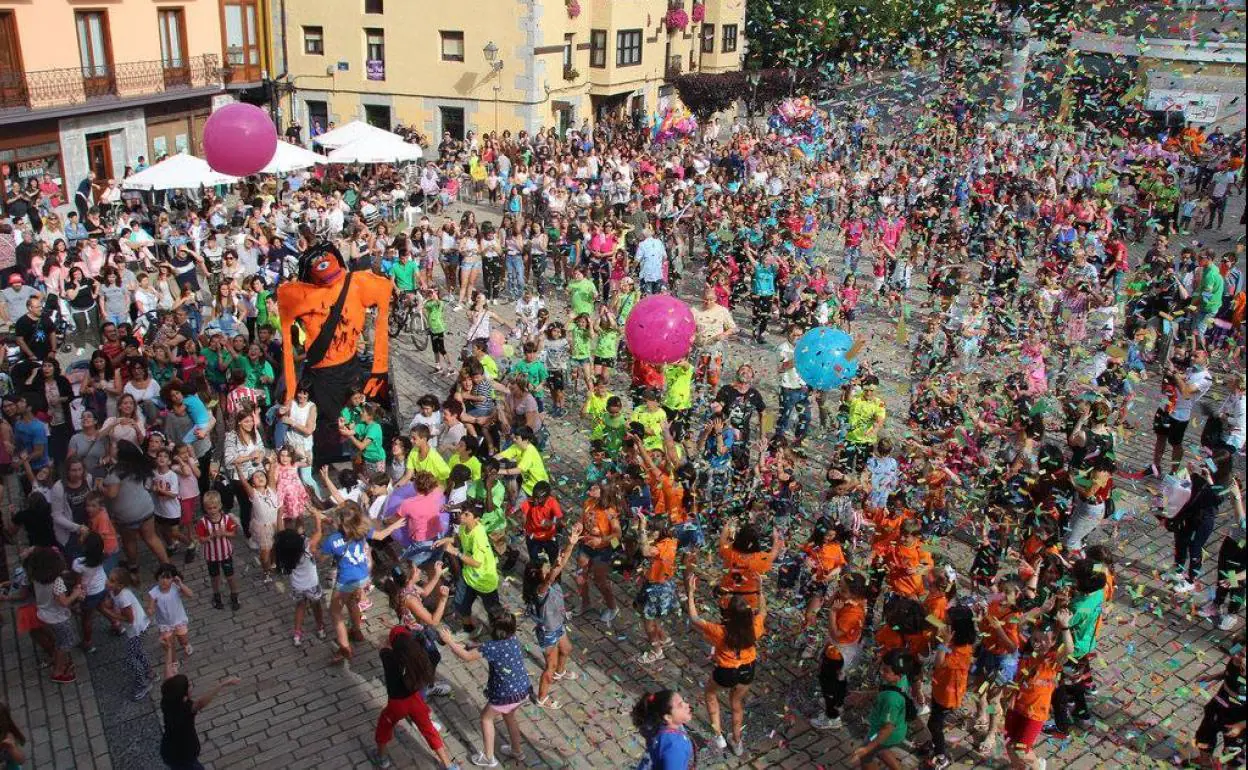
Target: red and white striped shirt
x=217 y=549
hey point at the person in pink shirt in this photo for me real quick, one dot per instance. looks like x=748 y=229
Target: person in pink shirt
x=849 y=300
x=423 y=519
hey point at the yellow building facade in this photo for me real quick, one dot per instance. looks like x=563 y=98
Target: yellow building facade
x=89 y=86
x=485 y=65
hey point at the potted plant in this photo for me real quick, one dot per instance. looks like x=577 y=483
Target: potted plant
x=570 y=73
x=574 y=8
x=699 y=13
x=676 y=18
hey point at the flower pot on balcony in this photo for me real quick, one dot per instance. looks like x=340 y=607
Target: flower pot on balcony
x=574 y=9
x=570 y=73
x=676 y=19
x=699 y=13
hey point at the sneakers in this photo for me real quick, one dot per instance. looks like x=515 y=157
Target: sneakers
x=217 y=603
x=609 y=615
x=924 y=710
x=481 y=760
x=1228 y=623
x=234 y=602
x=298 y=638
x=377 y=758
x=939 y=762
x=720 y=743
x=440 y=689
x=189 y=650
x=1184 y=586
x=142 y=693
x=320 y=633
x=824 y=722
x=738 y=747
x=652 y=656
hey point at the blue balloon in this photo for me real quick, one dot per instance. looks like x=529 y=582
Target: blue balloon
x=820 y=358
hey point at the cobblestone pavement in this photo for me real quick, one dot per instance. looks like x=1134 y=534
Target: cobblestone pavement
x=294 y=709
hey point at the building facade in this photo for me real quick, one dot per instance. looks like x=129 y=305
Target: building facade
x=497 y=64
x=89 y=86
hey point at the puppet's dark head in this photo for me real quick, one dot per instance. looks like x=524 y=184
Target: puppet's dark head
x=322 y=264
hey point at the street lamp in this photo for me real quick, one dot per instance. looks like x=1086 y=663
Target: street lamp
x=753 y=79
x=496 y=65
x=1018 y=36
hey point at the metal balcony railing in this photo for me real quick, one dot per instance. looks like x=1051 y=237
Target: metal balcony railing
x=45 y=89
x=674 y=66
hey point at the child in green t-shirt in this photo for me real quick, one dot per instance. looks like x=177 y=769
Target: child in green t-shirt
x=582 y=293
x=612 y=427
x=532 y=367
x=367 y=439
x=606 y=346
x=886 y=724
x=596 y=402
x=479 y=574
x=580 y=345
x=435 y=318
x=678 y=396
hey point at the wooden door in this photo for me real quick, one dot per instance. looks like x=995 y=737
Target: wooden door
x=100 y=161
x=12 y=75
x=96 y=50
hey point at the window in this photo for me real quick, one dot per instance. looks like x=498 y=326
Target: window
x=453 y=122
x=377 y=115
x=730 y=38
x=93 y=43
x=567 y=52
x=12 y=82
x=242 y=40
x=452 y=46
x=375 y=54
x=708 y=38
x=172 y=37
x=374 y=6
x=314 y=41
x=627 y=47
x=597 y=48
x=318 y=115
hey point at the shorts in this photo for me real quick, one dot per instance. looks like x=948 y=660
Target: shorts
x=555 y=381
x=1020 y=731
x=313 y=594
x=169 y=521
x=813 y=589
x=137 y=525
x=1172 y=429
x=507 y=708
x=466 y=596
x=223 y=567
x=168 y=631
x=657 y=600
x=607 y=362
x=188 y=510
x=64 y=635
x=731 y=677
x=470 y=264
x=689 y=535
x=438 y=341
x=451 y=258
x=94 y=600
x=539 y=548
x=547 y=639
x=998 y=669
x=596 y=555
x=579 y=362
x=352 y=587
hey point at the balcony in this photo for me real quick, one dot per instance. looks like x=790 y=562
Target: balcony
x=674 y=67
x=45 y=93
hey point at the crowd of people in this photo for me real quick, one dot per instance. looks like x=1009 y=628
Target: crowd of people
x=1000 y=253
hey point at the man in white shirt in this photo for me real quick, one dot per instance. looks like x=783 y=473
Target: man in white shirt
x=713 y=323
x=1171 y=421
x=1222 y=182
x=794 y=395
x=651 y=257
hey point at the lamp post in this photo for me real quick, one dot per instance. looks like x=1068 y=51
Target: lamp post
x=753 y=78
x=496 y=65
x=1019 y=38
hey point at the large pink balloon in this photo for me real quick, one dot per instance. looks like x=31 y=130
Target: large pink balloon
x=660 y=329
x=239 y=139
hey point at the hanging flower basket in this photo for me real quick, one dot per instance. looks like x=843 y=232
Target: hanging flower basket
x=676 y=18
x=699 y=13
x=574 y=9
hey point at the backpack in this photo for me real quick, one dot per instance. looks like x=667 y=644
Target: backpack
x=912 y=711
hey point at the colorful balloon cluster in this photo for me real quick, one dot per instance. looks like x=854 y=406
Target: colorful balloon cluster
x=673 y=124
x=824 y=358
x=800 y=125
x=660 y=329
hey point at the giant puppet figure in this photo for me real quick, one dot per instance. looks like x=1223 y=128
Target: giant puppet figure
x=331 y=304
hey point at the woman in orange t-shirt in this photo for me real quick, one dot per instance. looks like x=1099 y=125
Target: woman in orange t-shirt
x=824 y=559
x=847 y=617
x=601 y=525
x=950 y=675
x=745 y=563
x=1038 y=673
x=736 y=650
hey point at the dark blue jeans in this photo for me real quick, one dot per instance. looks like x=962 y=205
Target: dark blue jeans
x=1189 y=545
x=794 y=399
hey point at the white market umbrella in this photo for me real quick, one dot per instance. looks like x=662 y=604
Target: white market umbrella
x=376 y=151
x=351 y=133
x=291 y=157
x=177 y=172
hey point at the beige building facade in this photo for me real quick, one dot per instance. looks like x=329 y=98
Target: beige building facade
x=486 y=65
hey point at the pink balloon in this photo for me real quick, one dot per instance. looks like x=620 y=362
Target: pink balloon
x=239 y=139
x=660 y=329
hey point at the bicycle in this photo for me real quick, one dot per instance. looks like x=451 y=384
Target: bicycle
x=407 y=315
